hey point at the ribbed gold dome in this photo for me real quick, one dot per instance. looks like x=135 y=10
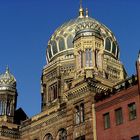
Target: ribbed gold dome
x=61 y=42
x=7 y=80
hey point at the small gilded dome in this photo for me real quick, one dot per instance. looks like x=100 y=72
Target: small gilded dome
x=87 y=28
x=7 y=80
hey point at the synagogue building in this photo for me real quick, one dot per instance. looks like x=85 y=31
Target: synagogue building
x=86 y=92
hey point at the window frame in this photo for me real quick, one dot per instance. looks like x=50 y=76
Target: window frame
x=108 y=44
x=69 y=43
x=114 y=48
x=119 y=116
x=80 y=59
x=50 y=55
x=135 y=137
x=53 y=92
x=79 y=114
x=48 y=137
x=61 y=43
x=107 y=123
x=54 y=47
x=89 y=57
x=62 y=134
x=132 y=112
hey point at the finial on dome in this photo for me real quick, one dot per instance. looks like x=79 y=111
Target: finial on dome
x=86 y=12
x=7 y=69
x=81 y=10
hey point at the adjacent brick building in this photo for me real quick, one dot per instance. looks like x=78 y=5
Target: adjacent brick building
x=118 y=112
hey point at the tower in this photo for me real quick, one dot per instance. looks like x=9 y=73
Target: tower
x=79 y=49
x=8 y=96
x=96 y=52
x=88 y=48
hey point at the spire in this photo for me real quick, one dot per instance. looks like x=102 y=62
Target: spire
x=86 y=12
x=81 y=10
x=80 y=3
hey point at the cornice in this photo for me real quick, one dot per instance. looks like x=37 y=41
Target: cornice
x=43 y=121
x=122 y=96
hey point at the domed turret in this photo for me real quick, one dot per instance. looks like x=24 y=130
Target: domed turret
x=7 y=80
x=96 y=51
x=61 y=45
x=87 y=28
x=8 y=96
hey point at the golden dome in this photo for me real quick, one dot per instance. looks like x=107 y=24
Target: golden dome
x=7 y=80
x=61 y=42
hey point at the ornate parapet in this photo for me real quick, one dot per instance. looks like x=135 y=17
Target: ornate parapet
x=129 y=82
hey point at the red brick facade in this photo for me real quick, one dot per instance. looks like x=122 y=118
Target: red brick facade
x=122 y=99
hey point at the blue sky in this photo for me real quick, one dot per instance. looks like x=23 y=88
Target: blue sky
x=26 y=26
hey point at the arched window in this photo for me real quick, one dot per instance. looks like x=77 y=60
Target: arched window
x=98 y=59
x=117 y=54
x=114 y=48
x=89 y=58
x=82 y=112
x=3 y=109
x=52 y=92
x=62 y=134
x=8 y=108
x=70 y=41
x=80 y=59
x=79 y=114
x=49 y=52
x=108 y=44
x=11 y=106
x=54 y=47
x=61 y=44
x=48 y=137
x=55 y=91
